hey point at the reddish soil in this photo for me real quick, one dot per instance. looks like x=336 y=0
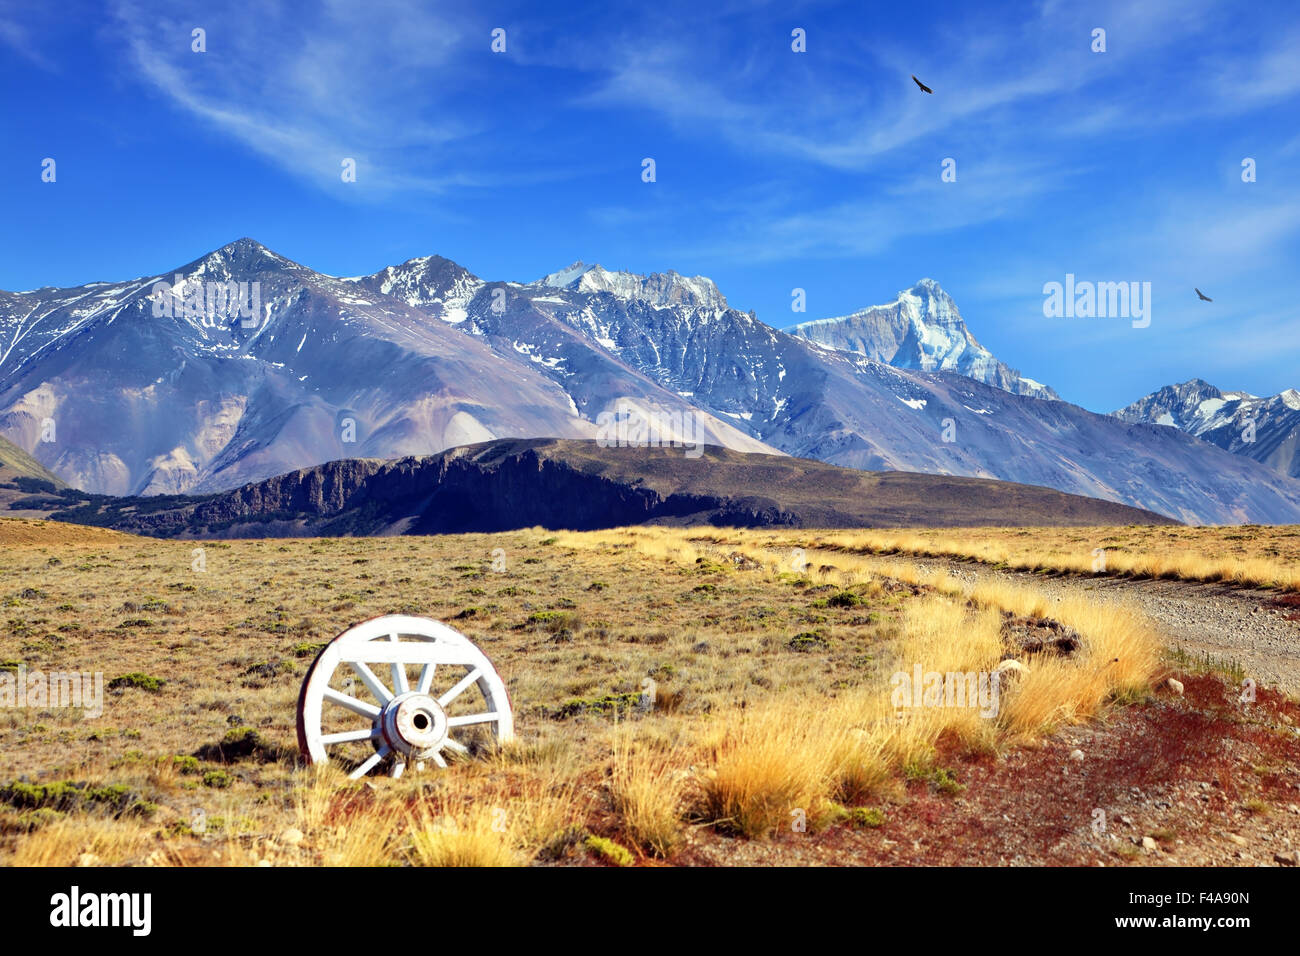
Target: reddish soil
x=1211 y=780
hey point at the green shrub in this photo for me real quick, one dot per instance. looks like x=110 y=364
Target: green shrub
x=218 y=779
x=809 y=641
x=142 y=681
x=866 y=818
x=65 y=795
x=610 y=851
x=609 y=705
x=183 y=763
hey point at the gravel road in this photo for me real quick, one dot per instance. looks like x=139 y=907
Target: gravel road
x=1241 y=625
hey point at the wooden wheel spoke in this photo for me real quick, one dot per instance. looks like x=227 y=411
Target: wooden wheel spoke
x=371 y=762
x=400 y=683
x=350 y=736
x=466 y=719
x=426 y=678
x=373 y=683
x=474 y=674
x=351 y=703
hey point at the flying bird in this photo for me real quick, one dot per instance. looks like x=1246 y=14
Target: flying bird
x=1203 y=296
x=924 y=88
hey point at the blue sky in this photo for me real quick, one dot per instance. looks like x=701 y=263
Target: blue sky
x=775 y=169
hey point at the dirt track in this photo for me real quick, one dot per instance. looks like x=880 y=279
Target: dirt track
x=1245 y=626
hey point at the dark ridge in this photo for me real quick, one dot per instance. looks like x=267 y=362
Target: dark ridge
x=577 y=485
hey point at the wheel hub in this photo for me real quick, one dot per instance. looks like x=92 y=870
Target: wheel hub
x=414 y=724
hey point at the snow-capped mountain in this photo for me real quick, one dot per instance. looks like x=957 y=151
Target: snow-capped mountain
x=921 y=329
x=1265 y=429
x=424 y=355
x=616 y=332
x=116 y=398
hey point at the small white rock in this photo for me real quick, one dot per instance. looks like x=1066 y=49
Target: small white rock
x=1011 y=667
x=1076 y=755
x=1176 y=687
x=1149 y=844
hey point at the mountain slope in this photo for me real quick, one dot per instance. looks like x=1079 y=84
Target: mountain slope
x=1264 y=429
x=23 y=481
x=16 y=463
x=518 y=323
x=502 y=485
x=921 y=329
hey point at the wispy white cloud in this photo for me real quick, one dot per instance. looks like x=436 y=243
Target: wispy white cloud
x=980 y=68
x=350 y=81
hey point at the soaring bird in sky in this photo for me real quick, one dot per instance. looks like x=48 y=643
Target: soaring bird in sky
x=924 y=88
x=1203 y=296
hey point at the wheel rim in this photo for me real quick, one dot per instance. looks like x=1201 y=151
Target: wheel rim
x=397 y=692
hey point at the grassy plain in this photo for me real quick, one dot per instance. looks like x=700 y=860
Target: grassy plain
x=771 y=680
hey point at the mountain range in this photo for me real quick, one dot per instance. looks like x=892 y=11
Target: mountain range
x=141 y=388
x=1264 y=429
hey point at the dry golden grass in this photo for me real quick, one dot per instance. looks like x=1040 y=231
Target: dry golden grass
x=1262 y=556
x=35 y=531
x=767 y=765
x=81 y=840
x=480 y=836
x=648 y=788
x=773 y=691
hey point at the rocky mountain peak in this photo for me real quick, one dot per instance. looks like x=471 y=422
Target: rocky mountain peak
x=247 y=255
x=921 y=329
x=1265 y=429
x=658 y=289
x=432 y=282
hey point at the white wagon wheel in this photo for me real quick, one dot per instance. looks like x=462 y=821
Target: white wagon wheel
x=440 y=695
